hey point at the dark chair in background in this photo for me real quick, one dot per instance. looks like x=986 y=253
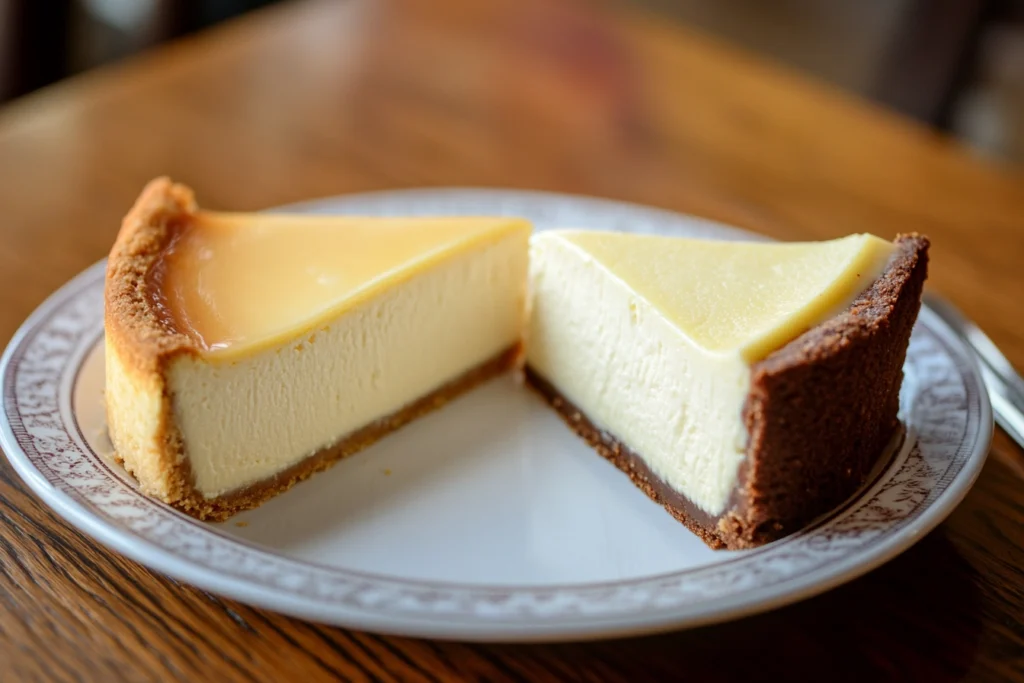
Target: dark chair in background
x=33 y=44
x=43 y=41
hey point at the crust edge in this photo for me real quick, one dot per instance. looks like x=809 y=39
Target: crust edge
x=141 y=341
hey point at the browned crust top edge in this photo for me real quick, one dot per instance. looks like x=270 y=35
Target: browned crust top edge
x=135 y=316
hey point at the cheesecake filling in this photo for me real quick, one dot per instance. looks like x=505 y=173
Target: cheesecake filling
x=237 y=283
x=338 y=351
x=654 y=338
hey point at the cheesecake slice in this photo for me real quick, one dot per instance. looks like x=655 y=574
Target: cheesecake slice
x=747 y=387
x=246 y=351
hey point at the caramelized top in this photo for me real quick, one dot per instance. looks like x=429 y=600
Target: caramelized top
x=233 y=282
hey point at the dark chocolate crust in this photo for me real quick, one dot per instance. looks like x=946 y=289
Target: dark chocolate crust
x=820 y=412
x=823 y=407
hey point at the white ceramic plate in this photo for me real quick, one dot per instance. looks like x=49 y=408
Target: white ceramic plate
x=487 y=520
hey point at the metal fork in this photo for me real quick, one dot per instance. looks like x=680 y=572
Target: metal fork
x=1005 y=386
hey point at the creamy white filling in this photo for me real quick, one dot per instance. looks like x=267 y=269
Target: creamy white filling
x=247 y=420
x=636 y=375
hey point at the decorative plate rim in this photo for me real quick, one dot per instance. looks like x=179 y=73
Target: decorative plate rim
x=480 y=612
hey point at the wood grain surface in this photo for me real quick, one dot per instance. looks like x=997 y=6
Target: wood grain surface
x=322 y=97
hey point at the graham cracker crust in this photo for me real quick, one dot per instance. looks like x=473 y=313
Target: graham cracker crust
x=819 y=413
x=221 y=508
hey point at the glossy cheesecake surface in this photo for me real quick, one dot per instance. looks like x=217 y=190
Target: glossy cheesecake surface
x=240 y=282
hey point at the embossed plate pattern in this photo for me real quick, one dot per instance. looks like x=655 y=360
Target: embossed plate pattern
x=52 y=433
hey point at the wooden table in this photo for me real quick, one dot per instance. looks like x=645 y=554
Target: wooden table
x=320 y=98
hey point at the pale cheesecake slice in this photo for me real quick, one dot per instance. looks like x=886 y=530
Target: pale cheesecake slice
x=748 y=387
x=246 y=351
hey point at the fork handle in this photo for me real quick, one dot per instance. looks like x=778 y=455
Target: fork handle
x=1005 y=386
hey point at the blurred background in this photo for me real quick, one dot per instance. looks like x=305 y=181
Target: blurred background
x=956 y=65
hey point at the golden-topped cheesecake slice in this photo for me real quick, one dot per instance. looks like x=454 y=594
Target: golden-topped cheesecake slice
x=748 y=387
x=246 y=351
